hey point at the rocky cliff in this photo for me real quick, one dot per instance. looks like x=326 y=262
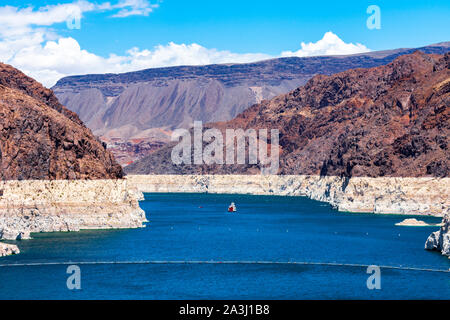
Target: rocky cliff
x=392 y=120
x=67 y=205
x=41 y=139
x=145 y=106
x=440 y=240
x=388 y=195
x=54 y=174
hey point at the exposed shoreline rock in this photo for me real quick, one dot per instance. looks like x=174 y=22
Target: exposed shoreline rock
x=67 y=205
x=440 y=240
x=415 y=223
x=8 y=249
x=386 y=195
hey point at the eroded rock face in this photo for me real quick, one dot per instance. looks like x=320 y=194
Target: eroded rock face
x=41 y=139
x=440 y=240
x=392 y=120
x=8 y=249
x=67 y=205
x=386 y=121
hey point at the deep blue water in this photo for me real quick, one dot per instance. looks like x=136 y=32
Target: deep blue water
x=196 y=227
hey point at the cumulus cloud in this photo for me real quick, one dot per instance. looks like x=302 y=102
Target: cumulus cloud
x=181 y=54
x=49 y=61
x=330 y=44
x=28 y=42
x=16 y=21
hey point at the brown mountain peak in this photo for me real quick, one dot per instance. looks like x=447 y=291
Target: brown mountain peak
x=16 y=79
x=41 y=139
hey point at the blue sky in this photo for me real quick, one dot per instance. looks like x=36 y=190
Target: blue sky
x=262 y=28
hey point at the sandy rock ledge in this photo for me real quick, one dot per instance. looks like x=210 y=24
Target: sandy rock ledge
x=67 y=205
x=8 y=249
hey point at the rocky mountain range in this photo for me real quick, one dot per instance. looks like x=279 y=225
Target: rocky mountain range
x=136 y=112
x=391 y=120
x=41 y=139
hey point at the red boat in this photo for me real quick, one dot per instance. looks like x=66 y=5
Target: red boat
x=232 y=207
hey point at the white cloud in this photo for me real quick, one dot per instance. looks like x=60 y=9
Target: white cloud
x=16 y=21
x=27 y=42
x=133 y=8
x=52 y=60
x=47 y=62
x=330 y=44
x=181 y=54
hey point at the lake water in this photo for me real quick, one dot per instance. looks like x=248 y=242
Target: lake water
x=196 y=227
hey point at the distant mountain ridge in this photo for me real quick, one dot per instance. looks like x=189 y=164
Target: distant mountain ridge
x=391 y=120
x=239 y=71
x=143 y=107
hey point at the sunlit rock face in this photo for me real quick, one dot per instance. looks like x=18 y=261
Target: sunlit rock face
x=8 y=249
x=440 y=240
x=29 y=206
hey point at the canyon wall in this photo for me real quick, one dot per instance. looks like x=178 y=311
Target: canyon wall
x=135 y=110
x=387 y=121
x=389 y=195
x=67 y=205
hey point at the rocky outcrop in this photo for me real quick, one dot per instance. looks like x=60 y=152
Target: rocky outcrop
x=12 y=78
x=412 y=222
x=421 y=196
x=67 y=205
x=41 y=139
x=8 y=249
x=391 y=120
x=440 y=240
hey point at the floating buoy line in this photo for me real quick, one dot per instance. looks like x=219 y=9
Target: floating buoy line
x=214 y=262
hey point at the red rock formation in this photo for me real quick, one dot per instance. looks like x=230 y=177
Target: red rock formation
x=391 y=120
x=41 y=139
x=386 y=121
